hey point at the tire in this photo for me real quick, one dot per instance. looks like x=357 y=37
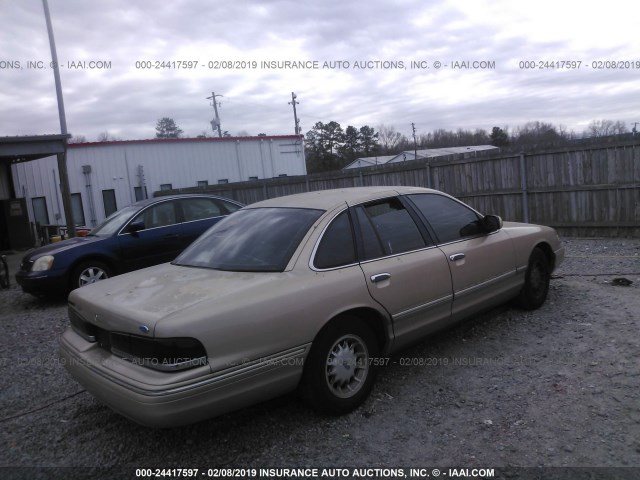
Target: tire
x=536 y=281
x=338 y=374
x=89 y=272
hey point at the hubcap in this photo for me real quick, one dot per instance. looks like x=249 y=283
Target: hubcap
x=347 y=366
x=92 y=275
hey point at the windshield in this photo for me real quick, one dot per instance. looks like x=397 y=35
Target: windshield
x=114 y=222
x=251 y=240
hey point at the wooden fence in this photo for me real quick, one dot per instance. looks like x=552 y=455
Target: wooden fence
x=587 y=191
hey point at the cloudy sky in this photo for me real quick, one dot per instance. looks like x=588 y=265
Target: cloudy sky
x=439 y=64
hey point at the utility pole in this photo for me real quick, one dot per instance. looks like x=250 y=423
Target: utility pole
x=635 y=129
x=415 y=143
x=295 y=115
x=62 y=157
x=215 y=123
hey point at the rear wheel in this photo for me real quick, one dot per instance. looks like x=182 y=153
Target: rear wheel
x=338 y=375
x=536 y=281
x=89 y=272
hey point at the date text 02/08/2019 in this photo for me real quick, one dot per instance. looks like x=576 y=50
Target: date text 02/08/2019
x=579 y=64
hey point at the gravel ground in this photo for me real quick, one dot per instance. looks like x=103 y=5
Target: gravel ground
x=557 y=387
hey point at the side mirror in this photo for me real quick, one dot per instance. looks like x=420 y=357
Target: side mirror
x=491 y=223
x=135 y=227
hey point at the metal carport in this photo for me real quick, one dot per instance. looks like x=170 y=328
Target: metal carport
x=32 y=147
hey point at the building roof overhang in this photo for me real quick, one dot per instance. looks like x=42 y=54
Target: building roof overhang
x=31 y=147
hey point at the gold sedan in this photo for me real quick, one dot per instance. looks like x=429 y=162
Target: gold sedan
x=308 y=291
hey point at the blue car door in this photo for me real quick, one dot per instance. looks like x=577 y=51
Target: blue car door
x=153 y=236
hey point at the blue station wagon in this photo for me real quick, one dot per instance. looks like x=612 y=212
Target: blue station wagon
x=146 y=233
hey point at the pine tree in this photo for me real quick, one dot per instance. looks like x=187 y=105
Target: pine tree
x=167 y=128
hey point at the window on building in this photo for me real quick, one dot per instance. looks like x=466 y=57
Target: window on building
x=166 y=186
x=253 y=178
x=140 y=193
x=223 y=181
x=76 y=209
x=109 y=201
x=40 y=213
x=203 y=183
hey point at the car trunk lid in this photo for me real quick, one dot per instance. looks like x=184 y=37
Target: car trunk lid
x=136 y=302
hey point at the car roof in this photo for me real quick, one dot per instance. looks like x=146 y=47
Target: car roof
x=149 y=201
x=329 y=199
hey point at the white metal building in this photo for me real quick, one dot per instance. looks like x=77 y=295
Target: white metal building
x=369 y=161
x=106 y=176
x=421 y=154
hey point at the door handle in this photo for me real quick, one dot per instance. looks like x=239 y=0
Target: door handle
x=456 y=256
x=380 y=277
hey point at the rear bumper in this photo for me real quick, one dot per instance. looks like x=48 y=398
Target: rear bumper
x=179 y=398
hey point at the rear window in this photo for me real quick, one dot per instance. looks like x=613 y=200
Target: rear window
x=202 y=207
x=251 y=240
x=199 y=208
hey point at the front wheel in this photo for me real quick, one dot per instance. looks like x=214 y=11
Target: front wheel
x=536 y=281
x=89 y=272
x=338 y=375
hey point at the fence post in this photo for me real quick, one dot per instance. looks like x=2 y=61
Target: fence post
x=428 y=167
x=523 y=186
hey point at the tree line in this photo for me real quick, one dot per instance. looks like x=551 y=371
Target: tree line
x=330 y=147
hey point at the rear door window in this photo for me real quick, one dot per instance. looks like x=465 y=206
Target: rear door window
x=388 y=229
x=160 y=215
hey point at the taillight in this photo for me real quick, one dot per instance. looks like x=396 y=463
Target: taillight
x=164 y=354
